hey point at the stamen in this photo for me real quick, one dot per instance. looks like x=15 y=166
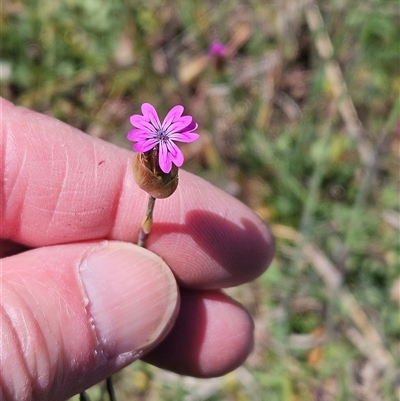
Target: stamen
x=161 y=134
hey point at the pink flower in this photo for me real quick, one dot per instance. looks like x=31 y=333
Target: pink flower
x=217 y=49
x=149 y=133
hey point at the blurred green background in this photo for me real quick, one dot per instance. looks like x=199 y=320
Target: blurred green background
x=300 y=120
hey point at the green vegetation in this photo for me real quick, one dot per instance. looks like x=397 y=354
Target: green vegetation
x=301 y=122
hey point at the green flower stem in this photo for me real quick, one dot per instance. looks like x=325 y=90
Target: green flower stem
x=83 y=397
x=147 y=222
x=110 y=389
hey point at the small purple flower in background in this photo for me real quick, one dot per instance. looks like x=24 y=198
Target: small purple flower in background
x=217 y=49
x=150 y=132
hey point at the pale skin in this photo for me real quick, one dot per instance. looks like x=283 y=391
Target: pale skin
x=79 y=302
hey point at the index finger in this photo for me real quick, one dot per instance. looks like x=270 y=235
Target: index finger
x=61 y=185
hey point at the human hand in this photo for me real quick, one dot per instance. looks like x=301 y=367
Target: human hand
x=81 y=301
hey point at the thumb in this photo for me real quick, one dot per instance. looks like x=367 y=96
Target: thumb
x=74 y=314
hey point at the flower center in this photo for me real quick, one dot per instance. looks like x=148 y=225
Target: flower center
x=161 y=135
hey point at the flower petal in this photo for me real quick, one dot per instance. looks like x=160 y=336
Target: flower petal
x=136 y=135
x=175 y=154
x=183 y=136
x=179 y=124
x=144 y=146
x=164 y=158
x=140 y=122
x=191 y=127
x=172 y=115
x=150 y=114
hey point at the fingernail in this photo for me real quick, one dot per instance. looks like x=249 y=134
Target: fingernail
x=132 y=296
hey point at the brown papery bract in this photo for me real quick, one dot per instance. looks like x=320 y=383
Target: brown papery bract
x=149 y=176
